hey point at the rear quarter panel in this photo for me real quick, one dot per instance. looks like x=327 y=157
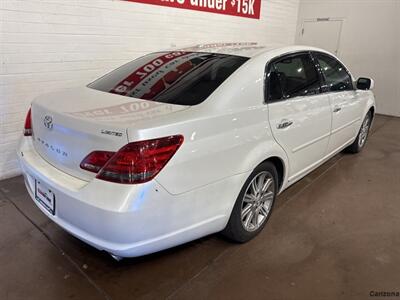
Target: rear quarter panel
x=219 y=147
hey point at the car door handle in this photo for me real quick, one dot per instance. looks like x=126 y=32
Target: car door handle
x=285 y=124
x=337 y=109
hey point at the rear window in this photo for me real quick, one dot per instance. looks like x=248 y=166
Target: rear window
x=184 y=78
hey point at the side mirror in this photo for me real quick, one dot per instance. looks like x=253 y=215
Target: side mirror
x=365 y=84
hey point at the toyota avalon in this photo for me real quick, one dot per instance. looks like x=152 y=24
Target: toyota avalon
x=176 y=145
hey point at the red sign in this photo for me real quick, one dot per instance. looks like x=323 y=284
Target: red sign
x=240 y=8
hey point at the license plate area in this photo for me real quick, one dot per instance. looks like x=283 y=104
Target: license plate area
x=45 y=196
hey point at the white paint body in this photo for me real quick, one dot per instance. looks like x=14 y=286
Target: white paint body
x=226 y=137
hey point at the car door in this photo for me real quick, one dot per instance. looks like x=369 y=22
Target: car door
x=299 y=114
x=346 y=105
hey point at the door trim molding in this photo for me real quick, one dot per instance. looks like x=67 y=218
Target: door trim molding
x=304 y=172
x=345 y=126
x=311 y=142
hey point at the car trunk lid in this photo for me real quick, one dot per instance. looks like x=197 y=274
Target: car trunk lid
x=69 y=125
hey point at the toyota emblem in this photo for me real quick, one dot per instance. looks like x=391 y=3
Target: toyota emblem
x=48 y=122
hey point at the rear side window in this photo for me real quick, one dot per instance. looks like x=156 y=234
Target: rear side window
x=184 y=78
x=292 y=77
x=336 y=76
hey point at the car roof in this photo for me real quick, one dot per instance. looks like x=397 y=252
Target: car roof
x=247 y=49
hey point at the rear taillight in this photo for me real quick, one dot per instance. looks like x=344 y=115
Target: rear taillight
x=28 y=124
x=96 y=160
x=137 y=162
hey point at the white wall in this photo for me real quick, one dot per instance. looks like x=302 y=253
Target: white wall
x=370 y=42
x=53 y=44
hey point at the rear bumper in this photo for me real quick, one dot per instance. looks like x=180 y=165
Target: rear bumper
x=129 y=220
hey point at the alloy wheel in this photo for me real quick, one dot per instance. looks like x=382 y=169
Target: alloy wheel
x=257 y=201
x=364 y=132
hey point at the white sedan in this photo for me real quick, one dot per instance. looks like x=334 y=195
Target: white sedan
x=177 y=145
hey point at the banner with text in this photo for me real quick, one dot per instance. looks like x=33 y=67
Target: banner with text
x=240 y=8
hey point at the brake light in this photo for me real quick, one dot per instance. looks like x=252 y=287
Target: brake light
x=137 y=162
x=28 y=124
x=96 y=160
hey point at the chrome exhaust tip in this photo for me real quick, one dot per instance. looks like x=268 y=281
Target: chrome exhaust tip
x=116 y=257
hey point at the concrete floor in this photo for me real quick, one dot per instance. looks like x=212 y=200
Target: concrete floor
x=334 y=235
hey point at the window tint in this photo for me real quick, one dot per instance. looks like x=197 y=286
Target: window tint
x=336 y=76
x=293 y=76
x=184 y=78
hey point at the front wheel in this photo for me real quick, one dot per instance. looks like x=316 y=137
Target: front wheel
x=254 y=204
x=362 y=136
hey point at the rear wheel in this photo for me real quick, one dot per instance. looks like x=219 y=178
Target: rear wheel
x=362 y=136
x=254 y=204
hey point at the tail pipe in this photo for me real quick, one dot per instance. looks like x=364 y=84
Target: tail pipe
x=116 y=257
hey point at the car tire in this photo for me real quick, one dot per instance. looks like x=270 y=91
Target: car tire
x=254 y=205
x=362 y=136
